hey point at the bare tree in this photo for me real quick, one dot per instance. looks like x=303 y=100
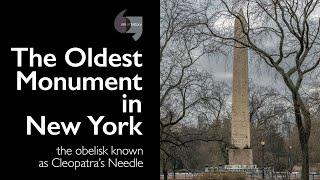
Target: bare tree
x=282 y=33
x=184 y=88
x=268 y=112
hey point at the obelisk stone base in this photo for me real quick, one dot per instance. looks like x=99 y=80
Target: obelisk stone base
x=240 y=157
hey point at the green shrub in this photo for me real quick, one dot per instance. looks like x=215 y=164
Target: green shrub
x=223 y=176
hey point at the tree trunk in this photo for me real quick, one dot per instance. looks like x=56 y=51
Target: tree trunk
x=305 y=158
x=304 y=132
x=165 y=170
x=174 y=169
x=165 y=174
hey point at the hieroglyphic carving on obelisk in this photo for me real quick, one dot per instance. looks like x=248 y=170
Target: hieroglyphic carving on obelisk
x=240 y=125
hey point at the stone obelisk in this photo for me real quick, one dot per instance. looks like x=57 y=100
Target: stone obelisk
x=241 y=153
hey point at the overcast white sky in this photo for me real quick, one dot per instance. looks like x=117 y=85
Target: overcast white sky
x=259 y=73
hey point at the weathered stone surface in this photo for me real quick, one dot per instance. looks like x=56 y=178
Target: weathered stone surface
x=240 y=156
x=240 y=125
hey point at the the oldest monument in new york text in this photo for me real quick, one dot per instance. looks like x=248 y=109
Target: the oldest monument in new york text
x=240 y=153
